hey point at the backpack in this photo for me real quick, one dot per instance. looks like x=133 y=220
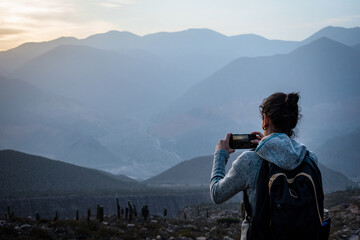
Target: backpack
x=289 y=204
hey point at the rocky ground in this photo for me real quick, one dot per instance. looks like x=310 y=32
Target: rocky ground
x=194 y=222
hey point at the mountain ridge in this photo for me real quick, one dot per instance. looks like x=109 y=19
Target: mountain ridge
x=197 y=172
x=30 y=175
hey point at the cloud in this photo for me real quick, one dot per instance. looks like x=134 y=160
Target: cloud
x=115 y=3
x=39 y=20
x=10 y=31
x=343 y=20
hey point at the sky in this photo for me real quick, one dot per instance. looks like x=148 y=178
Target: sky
x=43 y=20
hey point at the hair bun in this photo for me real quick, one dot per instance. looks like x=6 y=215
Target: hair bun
x=291 y=100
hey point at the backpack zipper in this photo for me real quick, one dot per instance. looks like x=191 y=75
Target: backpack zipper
x=291 y=180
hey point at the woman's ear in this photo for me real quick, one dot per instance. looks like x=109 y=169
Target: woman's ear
x=265 y=121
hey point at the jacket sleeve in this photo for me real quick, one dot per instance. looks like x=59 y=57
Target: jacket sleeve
x=224 y=186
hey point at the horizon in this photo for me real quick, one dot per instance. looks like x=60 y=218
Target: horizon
x=169 y=32
x=41 y=21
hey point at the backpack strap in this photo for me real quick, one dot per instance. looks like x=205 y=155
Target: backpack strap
x=260 y=220
x=247 y=205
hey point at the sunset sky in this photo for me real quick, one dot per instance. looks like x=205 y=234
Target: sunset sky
x=42 y=20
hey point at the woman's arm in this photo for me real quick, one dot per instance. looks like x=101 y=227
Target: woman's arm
x=224 y=186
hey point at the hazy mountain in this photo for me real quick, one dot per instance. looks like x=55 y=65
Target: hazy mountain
x=24 y=103
x=342 y=153
x=28 y=175
x=347 y=36
x=107 y=80
x=357 y=47
x=13 y=58
x=207 y=49
x=325 y=72
x=112 y=40
x=46 y=124
x=197 y=171
x=49 y=125
x=98 y=97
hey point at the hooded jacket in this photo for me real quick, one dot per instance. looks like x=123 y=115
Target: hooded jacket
x=276 y=148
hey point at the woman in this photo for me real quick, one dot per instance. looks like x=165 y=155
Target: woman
x=280 y=114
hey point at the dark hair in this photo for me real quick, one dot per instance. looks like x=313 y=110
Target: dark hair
x=283 y=111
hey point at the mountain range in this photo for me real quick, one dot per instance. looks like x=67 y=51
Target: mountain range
x=196 y=172
x=325 y=72
x=24 y=175
x=140 y=105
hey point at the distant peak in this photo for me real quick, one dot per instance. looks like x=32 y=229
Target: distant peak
x=322 y=44
x=112 y=33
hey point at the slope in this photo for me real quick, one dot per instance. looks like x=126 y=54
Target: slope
x=347 y=36
x=101 y=78
x=325 y=72
x=29 y=175
x=38 y=122
x=197 y=171
x=342 y=152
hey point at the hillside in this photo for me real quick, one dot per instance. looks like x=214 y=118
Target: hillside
x=96 y=101
x=24 y=175
x=347 y=36
x=100 y=78
x=342 y=153
x=51 y=125
x=325 y=73
x=197 y=171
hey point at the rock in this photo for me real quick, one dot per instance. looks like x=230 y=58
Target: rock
x=131 y=225
x=60 y=230
x=201 y=238
x=25 y=227
x=154 y=221
x=228 y=238
x=158 y=237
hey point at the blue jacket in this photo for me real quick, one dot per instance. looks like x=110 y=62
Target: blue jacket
x=276 y=148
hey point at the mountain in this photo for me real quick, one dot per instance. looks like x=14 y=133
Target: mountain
x=29 y=175
x=347 y=36
x=46 y=124
x=342 y=153
x=13 y=58
x=204 y=48
x=325 y=72
x=112 y=40
x=357 y=47
x=101 y=78
x=197 y=171
x=97 y=99
x=50 y=125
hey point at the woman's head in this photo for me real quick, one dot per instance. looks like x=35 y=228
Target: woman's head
x=283 y=112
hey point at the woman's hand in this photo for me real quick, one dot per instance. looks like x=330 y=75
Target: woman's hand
x=224 y=144
x=259 y=136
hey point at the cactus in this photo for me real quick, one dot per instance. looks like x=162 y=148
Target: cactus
x=77 y=215
x=88 y=215
x=56 y=216
x=9 y=212
x=97 y=212
x=131 y=211
x=118 y=208
x=101 y=213
x=126 y=213
x=37 y=217
x=135 y=212
x=145 y=212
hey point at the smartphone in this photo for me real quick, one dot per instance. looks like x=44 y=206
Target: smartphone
x=242 y=141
